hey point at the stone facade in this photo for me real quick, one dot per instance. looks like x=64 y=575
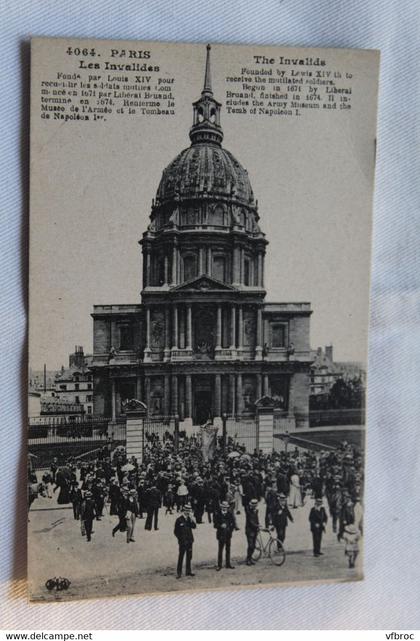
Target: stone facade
x=203 y=341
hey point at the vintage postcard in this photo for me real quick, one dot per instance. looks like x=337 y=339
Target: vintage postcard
x=200 y=222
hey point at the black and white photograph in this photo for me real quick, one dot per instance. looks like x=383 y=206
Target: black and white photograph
x=200 y=221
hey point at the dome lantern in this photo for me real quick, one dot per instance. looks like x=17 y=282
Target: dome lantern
x=206 y=113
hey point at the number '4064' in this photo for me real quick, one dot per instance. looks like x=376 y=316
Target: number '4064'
x=76 y=51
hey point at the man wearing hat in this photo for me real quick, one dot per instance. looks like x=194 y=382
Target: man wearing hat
x=252 y=525
x=88 y=513
x=224 y=522
x=153 y=499
x=270 y=503
x=132 y=510
x=280 y=516
x=184 y=525
x=317 y=518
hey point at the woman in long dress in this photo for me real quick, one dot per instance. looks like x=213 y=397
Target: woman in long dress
x=63 y=482
x=295 y=496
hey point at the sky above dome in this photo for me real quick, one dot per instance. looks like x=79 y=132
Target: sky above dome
x=312 y=178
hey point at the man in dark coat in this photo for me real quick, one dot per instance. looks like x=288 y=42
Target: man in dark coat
x=76 y=499
x=283 y=484
x=249 y=491
x=335 y=502
x=270 y=503
x=281 y=514
x=53 y=468
x=183 y=532
x=198 y=499
x=131 y=514
x=98 y=493
x=153 y=500
x=317 y=518
x=252 y=525
x=115 y=496
x=141 y=493
x=224 y=522
x=122 y=512
x=88 y=514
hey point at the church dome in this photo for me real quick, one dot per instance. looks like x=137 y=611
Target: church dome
x=205 y=168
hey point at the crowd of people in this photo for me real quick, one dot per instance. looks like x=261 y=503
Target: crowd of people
x=266 y=488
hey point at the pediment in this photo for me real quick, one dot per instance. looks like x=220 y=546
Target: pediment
x=204 y=283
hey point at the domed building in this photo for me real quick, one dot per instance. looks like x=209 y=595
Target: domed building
x=203 y=342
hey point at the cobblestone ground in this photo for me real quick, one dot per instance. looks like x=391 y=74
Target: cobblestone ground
x=110 y=566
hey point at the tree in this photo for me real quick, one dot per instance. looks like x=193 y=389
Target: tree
x=347 y=394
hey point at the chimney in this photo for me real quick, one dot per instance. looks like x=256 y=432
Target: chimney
x=77 y=359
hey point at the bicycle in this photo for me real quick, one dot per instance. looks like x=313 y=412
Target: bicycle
x=272 y=547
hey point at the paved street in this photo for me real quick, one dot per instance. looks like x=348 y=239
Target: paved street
x=109 y=565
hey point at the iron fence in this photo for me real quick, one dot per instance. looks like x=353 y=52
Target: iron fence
x=242 y=433
x=162 y=429
x=52 y=437
x=332 y=418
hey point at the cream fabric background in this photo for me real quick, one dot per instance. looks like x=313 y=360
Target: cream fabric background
x=390 y=595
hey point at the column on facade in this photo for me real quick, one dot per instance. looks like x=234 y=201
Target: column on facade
x=232 y=391
x=166 y=395
x=259 y=269
x=166 y=270
x=113 y=400
x=174 y=265
x=218 y=395
x=167 y=333
x=189 y=327
x=209 y=257
x=233 y=328
x=266 y=390
x=240 y=327
x=148 y=268
x=148 y=328
x=174 y=394
x=239 y=394
x=259 y=346
x=236 y=264
x=188 y=396
x=175 y=328
x=259 y=386
x=262 y=271
x=147 y=391
x=201 y=266
x=219 y=328
x=139 y=391
x=147 y=349
x=242 y=266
